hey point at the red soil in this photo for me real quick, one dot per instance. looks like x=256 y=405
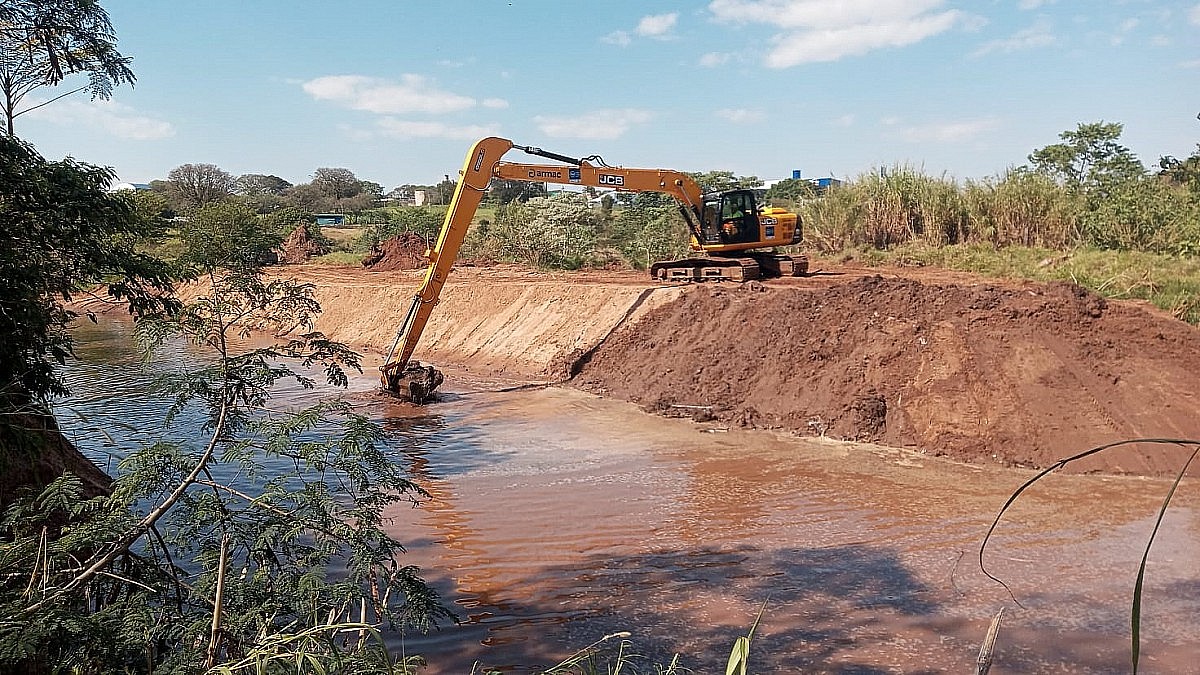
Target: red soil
x=299 y=247
x=1020 y=374
x=403 y=252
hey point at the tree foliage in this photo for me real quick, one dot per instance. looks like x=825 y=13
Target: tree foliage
x=229 y=234
x=722 y=181
x=419 y=220
x=63 y=232
x=1184 y=172
x=791 y=192
x=554 y=231
x=259 y=185
x=650 y=229
x=336 y=183
x=191 y=186
x=1089 y=158
x=505 y=191
x=221 y=554
x=43 y=41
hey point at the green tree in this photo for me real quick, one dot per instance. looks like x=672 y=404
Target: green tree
x=337 y=183
x=1183 y=172
x=191 y=186
x=443 y=192
x=284 y=220
x=791 y=192
x=419 y=220
x=371 y=189
x=228 y=232
x=180 y=570
x=63 y=232
x=258 y=184
x=721 y=181
x=43 y=41
x=650 y=229
x=554 y=231
x=505 y=191
x=1089 y=159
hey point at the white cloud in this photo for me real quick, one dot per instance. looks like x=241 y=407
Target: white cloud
x=843 y=121
x=949 y=132
x=495 y=103
x=1194 y=15
x=596 y=125
x=1037 y=35
x=405 y=129
x=1189 y=65
x=657 y=25
x=619 y=38
x=412 y=94
x=741 y=115
x=1033 y=4
x=714 y=59
x=814 y=31
x=116 y=119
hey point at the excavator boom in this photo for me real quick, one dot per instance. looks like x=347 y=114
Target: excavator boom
x=727 y=226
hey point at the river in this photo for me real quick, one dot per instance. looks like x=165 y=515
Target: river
x=556 y=517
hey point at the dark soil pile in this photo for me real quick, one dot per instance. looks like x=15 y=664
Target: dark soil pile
x=36 y=453
x=299 y=247
x=1022 y=375
x=403 y=252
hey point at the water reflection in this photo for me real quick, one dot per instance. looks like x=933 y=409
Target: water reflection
x=554 y=518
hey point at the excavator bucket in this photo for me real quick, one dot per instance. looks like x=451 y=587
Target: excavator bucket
x=415 y=384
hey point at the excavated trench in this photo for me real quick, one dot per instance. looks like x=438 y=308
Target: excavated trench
x=1019 y=374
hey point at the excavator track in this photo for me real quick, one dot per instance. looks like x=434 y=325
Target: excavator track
x=742 y=268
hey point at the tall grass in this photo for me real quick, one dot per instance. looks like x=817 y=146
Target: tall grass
x=902 y=205
x=1022 y=208
x=885 y=209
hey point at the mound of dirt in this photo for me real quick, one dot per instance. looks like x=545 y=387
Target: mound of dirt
x=1023 y=375
x=299 y=247
x=403 y=252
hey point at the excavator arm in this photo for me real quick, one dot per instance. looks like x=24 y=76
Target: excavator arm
x=473 y=181
x=483 y=163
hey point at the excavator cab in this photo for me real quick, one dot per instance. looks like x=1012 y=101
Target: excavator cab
x=730 y=218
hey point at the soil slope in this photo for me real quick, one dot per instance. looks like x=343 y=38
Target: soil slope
x=505 y=320
x=1021 y=374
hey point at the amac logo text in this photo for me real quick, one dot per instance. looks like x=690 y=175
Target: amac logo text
x=609 y=179
x=544 y=174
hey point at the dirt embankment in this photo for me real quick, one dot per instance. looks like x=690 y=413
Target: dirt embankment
x=1021 y=375
x=1015 y=373
x=504 y=320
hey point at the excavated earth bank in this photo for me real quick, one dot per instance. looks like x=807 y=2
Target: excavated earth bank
x=940 y=362
x=1021 y=375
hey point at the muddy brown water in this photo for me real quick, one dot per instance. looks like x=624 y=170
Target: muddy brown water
x=556 y=518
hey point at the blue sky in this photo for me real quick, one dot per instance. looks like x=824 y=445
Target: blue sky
x=397 y=91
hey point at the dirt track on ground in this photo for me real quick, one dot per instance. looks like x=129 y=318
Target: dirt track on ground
x=941 y=362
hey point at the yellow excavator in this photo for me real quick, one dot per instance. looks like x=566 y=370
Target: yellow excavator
x=730 y=232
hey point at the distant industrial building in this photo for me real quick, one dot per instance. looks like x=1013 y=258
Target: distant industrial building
x=118 y=187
